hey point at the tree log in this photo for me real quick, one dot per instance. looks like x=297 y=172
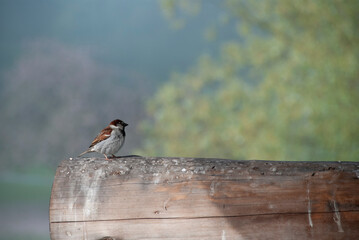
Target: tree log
x=186 y=198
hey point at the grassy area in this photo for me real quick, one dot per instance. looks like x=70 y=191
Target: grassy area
x=15 y=192
x=24 y=201
x=30 y=185
x=11 y=236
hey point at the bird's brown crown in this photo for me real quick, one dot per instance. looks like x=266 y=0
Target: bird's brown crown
x=118 y=122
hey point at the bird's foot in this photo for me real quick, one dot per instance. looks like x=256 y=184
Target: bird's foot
x=107 y=158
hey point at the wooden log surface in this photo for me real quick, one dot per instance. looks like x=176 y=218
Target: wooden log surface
x=186 y=198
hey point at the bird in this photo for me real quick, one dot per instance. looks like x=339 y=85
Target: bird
x=110 y=140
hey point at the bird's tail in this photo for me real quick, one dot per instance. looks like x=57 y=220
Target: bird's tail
x=87 y=151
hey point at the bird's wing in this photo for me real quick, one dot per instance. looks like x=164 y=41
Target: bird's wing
x=103 y=135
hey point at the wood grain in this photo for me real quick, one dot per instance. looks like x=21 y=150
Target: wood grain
x=184 y=198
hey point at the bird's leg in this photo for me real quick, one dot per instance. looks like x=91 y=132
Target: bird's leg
x=113 y=156
x=106 y=157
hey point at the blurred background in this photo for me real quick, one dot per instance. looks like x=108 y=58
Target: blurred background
x=271 y=80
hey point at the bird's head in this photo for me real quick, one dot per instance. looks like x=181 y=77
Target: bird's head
x=118 y=124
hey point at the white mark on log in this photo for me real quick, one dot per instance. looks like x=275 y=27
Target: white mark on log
x=74 y=193
x=336 y=217
x=357 y=173
x=157 y=178
x=309 y=208
x=223 y=235
x=212 y=189
x=90 y=187
x=183 y=169
x=273 y=169
x=200 y=170
x=68 y=234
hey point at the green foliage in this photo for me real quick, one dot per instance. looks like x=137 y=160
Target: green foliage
x=188 y=7
x=287 y=89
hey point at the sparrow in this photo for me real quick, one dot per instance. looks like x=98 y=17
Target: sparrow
x=110 y=140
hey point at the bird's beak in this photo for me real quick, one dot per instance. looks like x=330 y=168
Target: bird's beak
x=125 y=124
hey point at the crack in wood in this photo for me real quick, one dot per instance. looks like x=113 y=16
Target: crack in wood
x=204 y=217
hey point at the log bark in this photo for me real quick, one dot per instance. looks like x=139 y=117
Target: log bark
x=186 y=198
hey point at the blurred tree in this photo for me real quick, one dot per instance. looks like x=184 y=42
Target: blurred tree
x=287 y=89
x=58 y=98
